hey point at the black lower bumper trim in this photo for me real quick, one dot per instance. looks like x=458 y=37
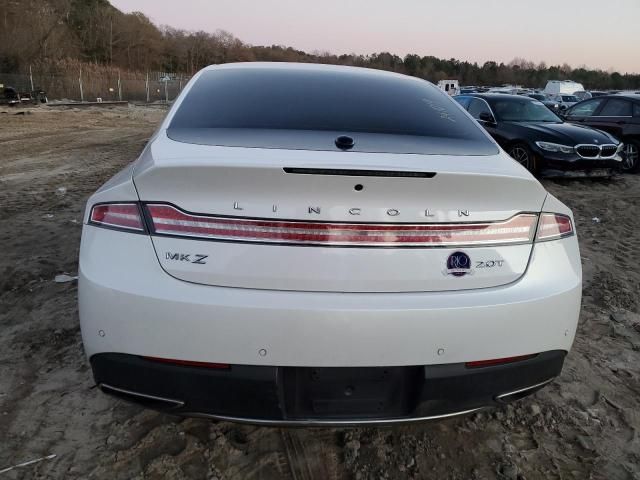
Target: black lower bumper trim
x=323 y=395
x=576 y=164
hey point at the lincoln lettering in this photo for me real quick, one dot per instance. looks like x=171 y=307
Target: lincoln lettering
x=357 y=211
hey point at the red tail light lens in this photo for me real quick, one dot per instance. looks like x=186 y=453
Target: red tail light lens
x=553 y=226
x=497 y=361
x=168 y=220
x=190 y=363
x=117 y=215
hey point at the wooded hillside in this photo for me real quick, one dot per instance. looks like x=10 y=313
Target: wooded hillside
x=45 y=32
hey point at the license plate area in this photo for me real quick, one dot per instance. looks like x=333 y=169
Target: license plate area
x=337 y=392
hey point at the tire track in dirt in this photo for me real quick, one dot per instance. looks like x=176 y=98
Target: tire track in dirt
x=315 y=460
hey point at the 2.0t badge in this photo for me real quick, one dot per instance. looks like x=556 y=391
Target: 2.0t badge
x=458 y=265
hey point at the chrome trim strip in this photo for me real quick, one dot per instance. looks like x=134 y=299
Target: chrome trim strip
x=176 y=403
x=326 y=423
x=531 y=387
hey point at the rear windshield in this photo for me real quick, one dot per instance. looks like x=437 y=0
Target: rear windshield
x=522 y=110
x=232 y=104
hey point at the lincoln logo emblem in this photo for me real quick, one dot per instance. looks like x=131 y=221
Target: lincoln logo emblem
x=458 y=264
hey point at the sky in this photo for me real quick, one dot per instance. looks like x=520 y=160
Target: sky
x=604 y=35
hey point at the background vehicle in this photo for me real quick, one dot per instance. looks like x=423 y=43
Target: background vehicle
x=451 y=87
x=10 y=96
x=540 y=140
x=284 y=265
x=503 y=90
x=39 y=96
x=550 y=104
x=582 y=95
x=562 y=87
x=564 y=101
x=617 y=114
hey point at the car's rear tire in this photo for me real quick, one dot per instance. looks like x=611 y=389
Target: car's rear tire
x=631 y=158
x=522 y=154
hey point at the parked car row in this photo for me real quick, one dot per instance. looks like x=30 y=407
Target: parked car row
x=600 y=135
x=558 y=95
x=12 y=97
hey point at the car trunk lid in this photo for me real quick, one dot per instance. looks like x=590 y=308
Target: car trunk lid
x=337 y=221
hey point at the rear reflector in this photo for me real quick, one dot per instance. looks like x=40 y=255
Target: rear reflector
x=189 y=363
x=168 y=220
x=497 y=361
x=553 y=226
x=117 y=215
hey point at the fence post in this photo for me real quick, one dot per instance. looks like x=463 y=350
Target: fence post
x=166 y=92
x=80 y=83
x=31 y=78
x=146 y=84
x=119 y=87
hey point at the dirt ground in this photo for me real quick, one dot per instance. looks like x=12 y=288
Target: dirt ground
x=584 y=425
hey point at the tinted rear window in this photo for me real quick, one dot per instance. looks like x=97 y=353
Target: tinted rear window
x=616 y=108
x=310 y=100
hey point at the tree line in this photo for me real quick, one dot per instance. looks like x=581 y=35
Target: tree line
x=50 y=32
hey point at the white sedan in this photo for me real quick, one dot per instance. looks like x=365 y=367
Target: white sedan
x=307 y=244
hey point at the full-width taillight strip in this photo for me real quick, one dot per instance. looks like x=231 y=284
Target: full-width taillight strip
x=168 y=220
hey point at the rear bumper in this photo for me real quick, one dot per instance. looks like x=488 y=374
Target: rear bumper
x=128 y=304
x=321 y=396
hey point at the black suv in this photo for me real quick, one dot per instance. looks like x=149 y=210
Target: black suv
x=617 y=114
x=539 y=140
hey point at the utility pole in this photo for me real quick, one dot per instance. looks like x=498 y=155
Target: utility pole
x=111 y=41
x=80 y=83
x=31 y=78
x=146 y=84
x=119 y=87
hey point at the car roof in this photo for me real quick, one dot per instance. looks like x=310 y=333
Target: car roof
x=316 y=67
x=629 y=96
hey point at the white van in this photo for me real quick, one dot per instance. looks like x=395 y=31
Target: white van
x=450 y=86
x=562 y=87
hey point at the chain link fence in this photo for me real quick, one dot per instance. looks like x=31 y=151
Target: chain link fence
x=89 y=86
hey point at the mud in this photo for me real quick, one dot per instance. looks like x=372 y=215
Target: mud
x=584 y=425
